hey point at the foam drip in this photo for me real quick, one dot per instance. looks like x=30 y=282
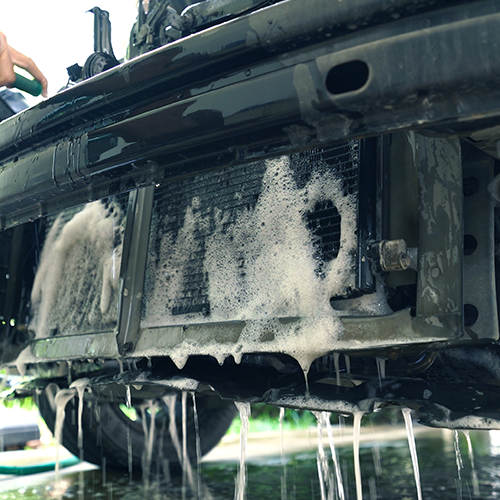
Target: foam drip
x=62 y=398
x=241 y=480
x=25 y=358
x=262 y=267
x=76 y=285
x=80 y=385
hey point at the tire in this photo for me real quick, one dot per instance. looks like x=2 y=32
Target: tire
x=108 y=433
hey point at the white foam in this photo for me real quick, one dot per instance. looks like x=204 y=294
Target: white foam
x=263 y=266
x=463 y=423
x=74 y=290
x=25 y=357
x=260 y=267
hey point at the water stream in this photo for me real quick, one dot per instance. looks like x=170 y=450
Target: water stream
x=311 y=474
x=336 y=361
x=413 y=449
x=323 y=469
x=459 y=462
x=381 y=369
x=80 y=385
x=336 y=463
x=347 y=360
x=356 y=429
x=475 y=482
x=198 y=446
x=185 y=459
x=63 y=397
x=149 y=436
x=241 y=479
x=284 y=489
x=187 y=469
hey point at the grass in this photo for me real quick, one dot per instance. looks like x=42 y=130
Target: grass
x=265 y=418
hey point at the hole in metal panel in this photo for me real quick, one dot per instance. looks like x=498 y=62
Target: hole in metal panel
x=471 y=314
x=347 y=77
x=470 y=185
x=470 y=244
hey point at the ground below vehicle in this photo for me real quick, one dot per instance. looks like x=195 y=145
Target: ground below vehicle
x=292 y=207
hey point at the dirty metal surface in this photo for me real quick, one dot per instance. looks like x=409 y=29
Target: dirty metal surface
x=262 y=85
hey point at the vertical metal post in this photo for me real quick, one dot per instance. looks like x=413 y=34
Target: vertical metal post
x=133 y=267
x=440 y=261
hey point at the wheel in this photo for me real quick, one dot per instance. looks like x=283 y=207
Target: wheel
x=113 y=439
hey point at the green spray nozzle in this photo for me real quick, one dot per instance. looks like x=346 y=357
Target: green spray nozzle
x=33 y=87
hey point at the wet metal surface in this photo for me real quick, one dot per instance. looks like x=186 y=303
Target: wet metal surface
x=386 y=470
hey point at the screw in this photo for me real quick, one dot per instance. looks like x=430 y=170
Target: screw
x=404 y=261
x=128 y=347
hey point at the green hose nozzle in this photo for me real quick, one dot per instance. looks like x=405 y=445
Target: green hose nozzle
x=33 y=87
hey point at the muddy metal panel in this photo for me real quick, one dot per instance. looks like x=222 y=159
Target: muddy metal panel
x=480 y=299
x=440 y=246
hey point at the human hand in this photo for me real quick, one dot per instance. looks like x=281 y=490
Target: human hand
x=10 y=57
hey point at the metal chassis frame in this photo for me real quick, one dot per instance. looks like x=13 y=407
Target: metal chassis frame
x=219 y=114
x=180 y=110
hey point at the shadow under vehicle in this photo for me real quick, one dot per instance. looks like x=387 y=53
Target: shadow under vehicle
x=267 y=202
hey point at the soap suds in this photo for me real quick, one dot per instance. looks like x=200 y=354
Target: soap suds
x=264 y=266
x=25 y=357
x=76 y=285
x=261 y=265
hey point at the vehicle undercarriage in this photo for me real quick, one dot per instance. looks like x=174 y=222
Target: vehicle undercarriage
x=266 y=203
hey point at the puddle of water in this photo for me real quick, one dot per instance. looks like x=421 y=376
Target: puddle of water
x=436 y=456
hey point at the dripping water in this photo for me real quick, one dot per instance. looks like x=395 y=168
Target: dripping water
x=241 y=479
x=198 y=445
x=475 y=481
x=306 y=380
x=336 y=362
x=372 y=486
x=184 y=443
x=321 y=460
x=377 y=462
x=341 y=428
x=128 y=401
x=283 y=461
x=61 y=400
x=69 y=373
x=459 y=462
x=149 y=435
x=80 y=385
x=380 y=370
x=340 y=483
x=356 y=430
x=347 y=361
x=458 y=454
x=413 y=449
x=171 y=401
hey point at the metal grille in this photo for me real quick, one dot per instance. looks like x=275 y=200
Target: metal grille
x=67 y=215
x=233 y=191
x=342 y=159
